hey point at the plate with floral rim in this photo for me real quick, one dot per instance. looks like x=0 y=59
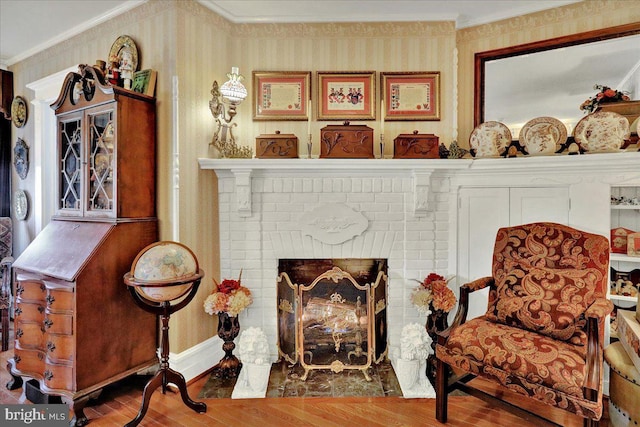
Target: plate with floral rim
x=122 y=43
x=602 y=131
x=543 y=136
x=490 y=139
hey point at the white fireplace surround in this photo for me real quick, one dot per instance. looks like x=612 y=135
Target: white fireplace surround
x=409 y=211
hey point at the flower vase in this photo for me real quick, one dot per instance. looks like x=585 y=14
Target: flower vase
x=437 y=321
x=228 y=328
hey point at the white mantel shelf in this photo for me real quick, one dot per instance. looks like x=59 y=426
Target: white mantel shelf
x=420 y=170
x=605 y=162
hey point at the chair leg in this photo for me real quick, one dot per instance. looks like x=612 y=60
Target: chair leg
x=442 y=378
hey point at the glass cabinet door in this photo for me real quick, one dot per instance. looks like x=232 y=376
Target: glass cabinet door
x=100 y=161
x=70 y=178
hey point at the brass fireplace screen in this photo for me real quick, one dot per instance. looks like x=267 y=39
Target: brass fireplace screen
x=332 y=313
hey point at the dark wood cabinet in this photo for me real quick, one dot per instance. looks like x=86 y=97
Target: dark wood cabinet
x=77 y=329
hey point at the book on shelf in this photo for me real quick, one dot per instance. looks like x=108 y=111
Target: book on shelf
x=144 y=81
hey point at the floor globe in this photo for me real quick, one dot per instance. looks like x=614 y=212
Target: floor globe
x=158 y=268
x=164 y=278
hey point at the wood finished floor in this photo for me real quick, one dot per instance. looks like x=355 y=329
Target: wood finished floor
x=119 y=405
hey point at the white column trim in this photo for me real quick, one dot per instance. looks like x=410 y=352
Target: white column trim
x=43 y=148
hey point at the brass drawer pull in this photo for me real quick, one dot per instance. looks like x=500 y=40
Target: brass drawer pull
x=50 y=299
x=19 y=289
x=51 y=346
x=19 y=333
x=48 y=375
x=48 y=323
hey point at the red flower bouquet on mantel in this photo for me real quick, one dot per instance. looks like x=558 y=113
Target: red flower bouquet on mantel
x=605 y=95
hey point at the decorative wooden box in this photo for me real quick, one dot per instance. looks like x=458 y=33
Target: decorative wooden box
x=346 y=141
x=277 y=146
x=416 y=146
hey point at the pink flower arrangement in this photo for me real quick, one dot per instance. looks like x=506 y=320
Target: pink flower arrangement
x=229 y=297
x=433 y=294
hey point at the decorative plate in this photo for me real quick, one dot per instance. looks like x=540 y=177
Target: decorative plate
x=19 y=111
x=602 y=131
x=21 y=205
x=543 y=135
x=115 y=54
x=490 y=139
x=21 y=158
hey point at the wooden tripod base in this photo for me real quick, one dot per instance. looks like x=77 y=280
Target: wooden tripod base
x=162 y=378
x=165 y=374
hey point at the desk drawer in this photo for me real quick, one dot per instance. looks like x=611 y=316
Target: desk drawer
x=59 y=376
x=60 y=348
x=30 y=362
x=55 y=323
x=29 y=335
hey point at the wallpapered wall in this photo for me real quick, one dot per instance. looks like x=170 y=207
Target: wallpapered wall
x=191 y=46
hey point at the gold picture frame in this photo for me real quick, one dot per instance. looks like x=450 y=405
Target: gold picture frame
x=346 y=95
x=281 y=95
x=411 y=95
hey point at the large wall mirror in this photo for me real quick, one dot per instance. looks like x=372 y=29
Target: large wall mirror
x=553 y=77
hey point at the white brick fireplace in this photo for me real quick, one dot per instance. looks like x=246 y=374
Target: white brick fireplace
x=392 y=209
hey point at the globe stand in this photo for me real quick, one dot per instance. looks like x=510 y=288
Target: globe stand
x=165 y=374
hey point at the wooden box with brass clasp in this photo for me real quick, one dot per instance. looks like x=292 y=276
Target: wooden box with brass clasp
x=416 y=146
x=277 y=146
x=346 y=141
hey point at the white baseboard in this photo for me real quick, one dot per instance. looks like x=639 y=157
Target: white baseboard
x=195 y=360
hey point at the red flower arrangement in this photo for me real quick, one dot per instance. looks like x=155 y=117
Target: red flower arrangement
x=605 y=95
x=433 y=294
x=230 y=297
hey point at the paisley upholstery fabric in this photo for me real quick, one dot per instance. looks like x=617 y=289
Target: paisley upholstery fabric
x=525 y=362
x=546 y=275
x=547 y=280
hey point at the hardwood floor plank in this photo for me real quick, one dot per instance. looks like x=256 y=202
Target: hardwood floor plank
x=119 y=405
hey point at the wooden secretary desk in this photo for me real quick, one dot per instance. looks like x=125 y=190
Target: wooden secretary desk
x=77 y=328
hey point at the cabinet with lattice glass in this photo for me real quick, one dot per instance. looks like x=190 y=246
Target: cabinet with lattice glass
x=77 y=329
x=106 y=151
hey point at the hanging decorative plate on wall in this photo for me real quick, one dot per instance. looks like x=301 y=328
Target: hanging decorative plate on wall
x=21 y=158
x=21 y=205
x=19 y=111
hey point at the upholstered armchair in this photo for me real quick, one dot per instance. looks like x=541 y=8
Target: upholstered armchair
x=543 y=332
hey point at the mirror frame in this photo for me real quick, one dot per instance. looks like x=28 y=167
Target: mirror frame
x=481 y=58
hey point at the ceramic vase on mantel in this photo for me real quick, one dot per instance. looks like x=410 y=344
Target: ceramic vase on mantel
x=437 y=321
x=228 y=328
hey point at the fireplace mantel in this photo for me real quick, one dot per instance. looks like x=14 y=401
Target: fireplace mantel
x=244 y=169
x=421 y=170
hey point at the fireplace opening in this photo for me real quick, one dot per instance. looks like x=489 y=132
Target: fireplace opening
x=332 y=313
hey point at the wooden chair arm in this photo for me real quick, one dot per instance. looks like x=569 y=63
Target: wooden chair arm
x=463 y=305
x=595 y=314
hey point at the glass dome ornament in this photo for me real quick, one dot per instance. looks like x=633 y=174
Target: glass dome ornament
x=161 y=273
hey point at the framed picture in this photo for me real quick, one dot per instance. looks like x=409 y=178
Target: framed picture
x=411 y=95
x=348 y=95
x=281 y=95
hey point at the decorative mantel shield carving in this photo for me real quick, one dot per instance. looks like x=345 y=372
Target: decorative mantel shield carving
x=333 y=223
